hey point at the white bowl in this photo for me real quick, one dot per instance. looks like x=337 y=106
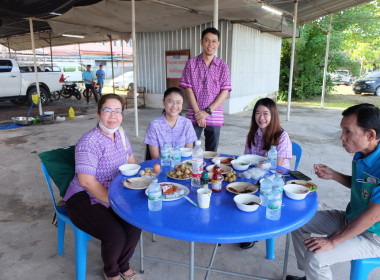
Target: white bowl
x=186 y=152
x=129 y=169
x=296 y=192
x=240 y=164
x=241 y=201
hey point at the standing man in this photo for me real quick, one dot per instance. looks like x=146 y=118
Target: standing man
x=88 y=78
x=207 y=81
x=100 y=74
x=354 y=233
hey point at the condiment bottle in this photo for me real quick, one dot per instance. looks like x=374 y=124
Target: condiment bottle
x=71 y=113
x=216 y=182
x=204 y=180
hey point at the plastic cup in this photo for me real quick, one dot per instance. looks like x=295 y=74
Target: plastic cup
x=247 y=174
x=204 y=196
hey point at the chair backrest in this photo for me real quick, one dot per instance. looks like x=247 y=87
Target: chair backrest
x=297 y=152
x=60 y=167
x=147 y=153
x=48 y=181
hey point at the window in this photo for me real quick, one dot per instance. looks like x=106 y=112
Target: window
x=5 y=66
x=117 y=43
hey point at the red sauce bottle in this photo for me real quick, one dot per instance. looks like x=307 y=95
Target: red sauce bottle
x=217 y=178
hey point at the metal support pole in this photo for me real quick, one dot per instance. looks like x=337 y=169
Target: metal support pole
x=113 y=76
x=191 y=260
x=122 y=62
x=51 y=52
x=326 y=62
x=35 y=66
x=135 y=66
x=292 y=59
x=9 y=49
x=141 y=253
x=216 y=18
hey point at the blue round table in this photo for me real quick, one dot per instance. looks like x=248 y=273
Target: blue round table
x=223 y=222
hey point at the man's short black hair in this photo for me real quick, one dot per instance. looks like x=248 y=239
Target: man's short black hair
x=368 y=116
x=212 y=30
x=88 y=65
x=100 y=65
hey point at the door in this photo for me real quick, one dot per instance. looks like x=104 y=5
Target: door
x=10 y=79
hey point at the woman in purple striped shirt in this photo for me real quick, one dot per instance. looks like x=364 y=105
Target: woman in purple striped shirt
x=98 y=155
x=170 y=127
x=264 y=132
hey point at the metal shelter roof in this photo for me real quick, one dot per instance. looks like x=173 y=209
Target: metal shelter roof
x=95 y=18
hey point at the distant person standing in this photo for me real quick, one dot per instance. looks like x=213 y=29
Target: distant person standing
x=207 y=81
x=88 y=79
x=100 y=74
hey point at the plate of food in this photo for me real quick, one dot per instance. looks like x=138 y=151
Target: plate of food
x=223 y=160
x=180 y=172
x=225 y=168
x=241 y=187
x=210 y=154
x=310 y=185
x=137 y=183
x=252 y=159
x=172 y=191
x=189 y=163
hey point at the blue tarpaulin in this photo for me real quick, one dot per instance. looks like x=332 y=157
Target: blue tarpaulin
x=9 y=126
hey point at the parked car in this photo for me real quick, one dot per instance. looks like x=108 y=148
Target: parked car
x=118 y=81
x=341 y=77
x=370 y=83
x=18 y=83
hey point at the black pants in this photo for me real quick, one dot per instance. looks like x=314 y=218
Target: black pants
x=212 y=134
x=118 y=238
x=88 y=87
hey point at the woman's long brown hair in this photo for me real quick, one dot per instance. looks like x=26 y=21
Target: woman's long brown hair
x=273 y=132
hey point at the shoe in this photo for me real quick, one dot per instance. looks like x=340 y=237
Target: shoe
x=247 y=245
x=106 y=278
x=134 y=276
x=291 y=277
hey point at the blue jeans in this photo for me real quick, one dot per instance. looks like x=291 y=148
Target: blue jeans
x=100 y=87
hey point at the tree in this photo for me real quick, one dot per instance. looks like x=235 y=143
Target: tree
x=354 y=45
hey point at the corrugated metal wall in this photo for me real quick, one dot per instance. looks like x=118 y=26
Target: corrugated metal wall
x=151 y=49
x=255 y=61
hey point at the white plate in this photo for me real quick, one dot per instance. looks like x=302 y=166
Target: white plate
x=225 y=168
x=241 y=187
x=189 y=163
x=252 y=159
x=222 y=159
x=137 y=183
x=210 y=154
x=180 y=187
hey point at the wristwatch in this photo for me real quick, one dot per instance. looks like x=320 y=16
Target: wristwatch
x=208 y=111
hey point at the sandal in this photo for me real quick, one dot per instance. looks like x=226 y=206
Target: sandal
x=106 y=278
x=134 y=276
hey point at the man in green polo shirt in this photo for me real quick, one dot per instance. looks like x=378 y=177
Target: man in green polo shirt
x=354 y=233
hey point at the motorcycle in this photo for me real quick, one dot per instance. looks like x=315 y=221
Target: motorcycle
x=70 y=89
x=90 y=91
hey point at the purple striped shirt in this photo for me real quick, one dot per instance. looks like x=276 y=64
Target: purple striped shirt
x=284 y=147
x=206 y=83
x=99 y=156
x=159 y=132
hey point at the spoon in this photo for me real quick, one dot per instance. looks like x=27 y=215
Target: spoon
x=182 y=193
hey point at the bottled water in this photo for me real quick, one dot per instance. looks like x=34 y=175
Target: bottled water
x=165 y=155
x=277 y=181
x=265 y=190
x=154 y=196
x=176 y=156
x=272 y=157
x=274 y=204
x=197 y=163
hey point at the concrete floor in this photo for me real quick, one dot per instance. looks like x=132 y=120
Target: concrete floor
x=28 y=247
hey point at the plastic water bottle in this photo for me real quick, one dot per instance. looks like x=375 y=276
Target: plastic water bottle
x=265 y=190
x=277 y=181
x=272 y=157
x=165 y=155
x=154 y=196
x=175 y=157
x=197 y=163
x=274 y=204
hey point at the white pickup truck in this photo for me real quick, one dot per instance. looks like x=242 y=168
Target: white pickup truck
x=18 y=83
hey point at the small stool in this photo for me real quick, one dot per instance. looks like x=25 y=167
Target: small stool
x=361 y=268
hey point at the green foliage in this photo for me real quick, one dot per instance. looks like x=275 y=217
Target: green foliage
x=354 y=45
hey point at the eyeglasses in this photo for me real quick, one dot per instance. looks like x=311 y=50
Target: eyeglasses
x=108 y=111
x=212 y=42
x=174 y=102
